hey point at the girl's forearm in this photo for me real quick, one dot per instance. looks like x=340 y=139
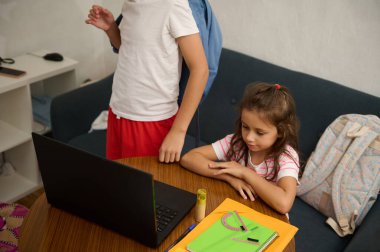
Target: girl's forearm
x=274 y=195
x=197 y=163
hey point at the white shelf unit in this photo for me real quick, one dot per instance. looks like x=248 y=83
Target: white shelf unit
x=16 y=118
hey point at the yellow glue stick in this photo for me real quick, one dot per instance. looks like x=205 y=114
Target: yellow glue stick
x=200 y=207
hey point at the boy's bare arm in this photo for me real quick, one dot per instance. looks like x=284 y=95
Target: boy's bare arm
x=113 y=34
x=193 y=54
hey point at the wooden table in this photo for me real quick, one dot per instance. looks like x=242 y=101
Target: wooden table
x=47 y=228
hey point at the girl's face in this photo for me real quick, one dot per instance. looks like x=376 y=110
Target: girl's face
x=257 y=133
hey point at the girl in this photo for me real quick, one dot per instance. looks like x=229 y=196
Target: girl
x=144 y=118
x=260 y=158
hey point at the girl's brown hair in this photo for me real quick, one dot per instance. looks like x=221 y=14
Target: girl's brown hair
x=276 y=105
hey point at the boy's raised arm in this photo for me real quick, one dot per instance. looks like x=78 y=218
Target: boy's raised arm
x=103 y=19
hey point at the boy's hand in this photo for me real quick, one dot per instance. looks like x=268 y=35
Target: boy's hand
x=100 y=17
x=171 y=147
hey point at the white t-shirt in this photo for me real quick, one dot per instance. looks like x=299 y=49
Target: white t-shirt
x=288 y=166
x=145 y=84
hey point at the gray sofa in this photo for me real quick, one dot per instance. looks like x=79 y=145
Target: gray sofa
x=318 y=101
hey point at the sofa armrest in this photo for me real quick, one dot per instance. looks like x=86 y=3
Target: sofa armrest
x=366 y=237
x=73 y=112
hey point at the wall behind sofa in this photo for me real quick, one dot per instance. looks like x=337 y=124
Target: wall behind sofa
x=336 y=40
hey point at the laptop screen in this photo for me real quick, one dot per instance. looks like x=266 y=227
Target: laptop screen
x=116 y=196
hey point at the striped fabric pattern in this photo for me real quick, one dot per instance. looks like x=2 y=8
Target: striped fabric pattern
x=289 y=166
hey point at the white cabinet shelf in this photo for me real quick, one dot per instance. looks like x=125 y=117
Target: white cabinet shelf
x=16 y=117
x=11 y=136
x=17 y=186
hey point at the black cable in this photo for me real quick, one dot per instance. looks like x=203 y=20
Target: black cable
x=7 y=60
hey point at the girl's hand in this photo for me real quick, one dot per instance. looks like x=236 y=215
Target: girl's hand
x=245 y=189
x=232 y=168
x=100 y=18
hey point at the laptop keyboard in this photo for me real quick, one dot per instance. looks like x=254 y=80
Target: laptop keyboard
x=164 y=216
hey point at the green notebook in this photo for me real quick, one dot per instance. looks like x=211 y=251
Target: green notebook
x=233 y=232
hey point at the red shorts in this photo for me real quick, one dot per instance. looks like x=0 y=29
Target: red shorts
x=127 y=138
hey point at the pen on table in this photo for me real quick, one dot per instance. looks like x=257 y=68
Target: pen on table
x=181 y=237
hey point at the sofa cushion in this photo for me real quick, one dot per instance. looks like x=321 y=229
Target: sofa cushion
x=314 y=234
x=73 y=112
x=318 y=101
x=190 y=142
x=316 y=113
x=94 y=142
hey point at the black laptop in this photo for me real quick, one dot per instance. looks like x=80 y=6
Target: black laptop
x=116 y=196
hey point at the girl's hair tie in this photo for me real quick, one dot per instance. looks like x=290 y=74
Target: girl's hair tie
x=278 y=86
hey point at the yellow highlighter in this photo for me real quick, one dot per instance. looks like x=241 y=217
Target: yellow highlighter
x=200 y=208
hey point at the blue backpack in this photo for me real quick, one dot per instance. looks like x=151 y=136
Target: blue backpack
x=211 y=37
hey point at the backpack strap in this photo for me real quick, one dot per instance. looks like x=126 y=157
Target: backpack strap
x=197 y=129
x=117 y=21
x=363 y=137
x=344 y=227
x=375 y=144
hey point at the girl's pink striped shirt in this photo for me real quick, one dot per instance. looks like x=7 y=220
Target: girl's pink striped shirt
x=289 y=166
